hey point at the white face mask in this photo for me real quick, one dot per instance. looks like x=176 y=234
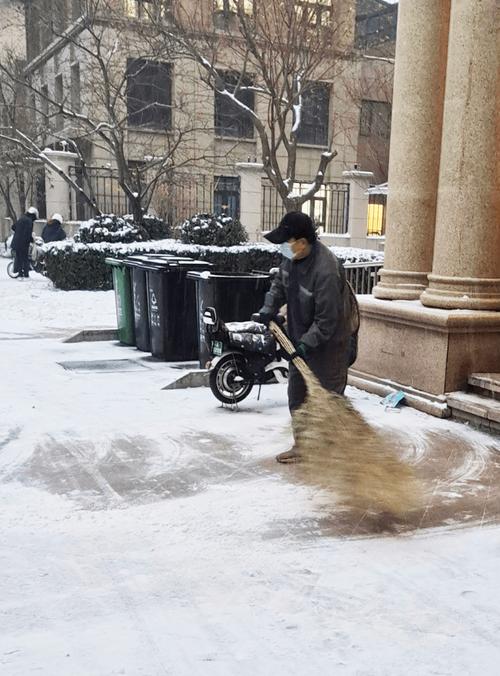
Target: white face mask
x=286 y=250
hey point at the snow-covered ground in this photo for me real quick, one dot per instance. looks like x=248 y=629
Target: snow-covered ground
x=34 y=306
x=146 y=531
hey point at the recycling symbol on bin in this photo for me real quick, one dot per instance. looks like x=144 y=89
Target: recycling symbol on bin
x=153 y=301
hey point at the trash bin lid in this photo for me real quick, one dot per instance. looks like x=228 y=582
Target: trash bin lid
x=177 y=264
x=115 y=262
x=152 y=259
x=228 y=275
x=239 y=275
x=168 y=257
x=194 y=265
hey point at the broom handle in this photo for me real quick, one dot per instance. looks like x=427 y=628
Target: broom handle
x=289 y=348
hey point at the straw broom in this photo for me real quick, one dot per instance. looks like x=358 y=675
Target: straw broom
x=342 y=452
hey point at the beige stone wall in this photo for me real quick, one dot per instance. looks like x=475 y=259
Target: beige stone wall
x=433 y=351
x=12 y=36
x=194 y=107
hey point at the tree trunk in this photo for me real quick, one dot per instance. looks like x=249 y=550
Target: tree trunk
x=293 y=204
x=8 y=202
x=137 y=210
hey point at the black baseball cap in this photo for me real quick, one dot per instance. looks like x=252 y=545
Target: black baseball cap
x=293 y=225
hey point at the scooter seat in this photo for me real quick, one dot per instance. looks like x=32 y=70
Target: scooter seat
x=262 y=343
x=247 y=327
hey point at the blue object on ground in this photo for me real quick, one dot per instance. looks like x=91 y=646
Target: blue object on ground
x=393 y=399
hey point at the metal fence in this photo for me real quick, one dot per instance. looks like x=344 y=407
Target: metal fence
x=362 y=276
x=174 y=200
x=184 y=195
x=329 y=207
x=101 y=183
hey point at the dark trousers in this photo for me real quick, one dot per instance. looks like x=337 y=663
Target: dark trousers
x=22 y=263
x=330 y=369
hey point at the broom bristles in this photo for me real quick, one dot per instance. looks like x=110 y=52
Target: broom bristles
x=343 y=453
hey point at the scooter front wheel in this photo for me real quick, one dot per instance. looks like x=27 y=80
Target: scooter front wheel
x=10 y=270
x=229 y=381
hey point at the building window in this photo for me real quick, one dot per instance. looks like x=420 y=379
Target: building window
x=227 y=196
x=58 y=97
x=44 y=103
x=46 y=17
x=375 y=119
x=147 y=9
x=132 y=9
x=315 y=115
x=76 y=9
x=228 y=7
x=314 y=12
x=75 y=88
x=230 y=118
x=149 y=94
x=376 y=29
x=60 y=20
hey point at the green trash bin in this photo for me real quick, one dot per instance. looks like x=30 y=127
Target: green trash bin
x=123 y=301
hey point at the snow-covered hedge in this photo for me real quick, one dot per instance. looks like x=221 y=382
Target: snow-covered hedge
x=213 y=230
x=111 y=228
x=155 y=227
x=74 y=265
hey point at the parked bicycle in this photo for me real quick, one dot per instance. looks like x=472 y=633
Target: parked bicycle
x=35 y=257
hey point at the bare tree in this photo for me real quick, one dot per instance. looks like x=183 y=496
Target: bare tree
x=16 y=175
x=273 y=64
x=22 y=140
x=119 y=98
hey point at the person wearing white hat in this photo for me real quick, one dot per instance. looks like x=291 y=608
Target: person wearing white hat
x=53 y=231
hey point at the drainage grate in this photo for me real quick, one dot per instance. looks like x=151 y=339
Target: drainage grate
x=103 y=365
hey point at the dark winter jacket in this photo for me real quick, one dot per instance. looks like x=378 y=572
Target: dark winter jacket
x=53 y=232
x=318 y=300
x=23 y=231
x=313 y=289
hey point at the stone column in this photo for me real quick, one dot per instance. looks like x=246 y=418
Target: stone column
x=419 y=82
x=359 y=181
x=466 y=266
x=57 y=190
x=251 y=198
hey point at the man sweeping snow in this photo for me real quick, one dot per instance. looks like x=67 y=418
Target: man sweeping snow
x=311 y=281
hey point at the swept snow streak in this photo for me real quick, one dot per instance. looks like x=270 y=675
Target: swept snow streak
x=213 y=559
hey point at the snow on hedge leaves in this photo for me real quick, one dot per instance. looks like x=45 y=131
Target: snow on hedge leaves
x=346 y=254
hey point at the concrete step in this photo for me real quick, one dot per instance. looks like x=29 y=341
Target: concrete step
x=487 y=384
x=477 y=409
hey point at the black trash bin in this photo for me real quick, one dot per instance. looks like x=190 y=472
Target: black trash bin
x=172 y=308
x=138 y=268
x=235 y=296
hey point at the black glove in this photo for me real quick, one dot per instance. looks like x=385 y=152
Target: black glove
x=262 y=317
x=302 y=350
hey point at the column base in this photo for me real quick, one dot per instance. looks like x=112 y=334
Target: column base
x=400 y=285
x=462 y=293
x=431 y=351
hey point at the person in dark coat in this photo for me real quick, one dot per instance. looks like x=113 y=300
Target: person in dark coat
x=311 y=281
x=53 y=231
x=23 y=233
